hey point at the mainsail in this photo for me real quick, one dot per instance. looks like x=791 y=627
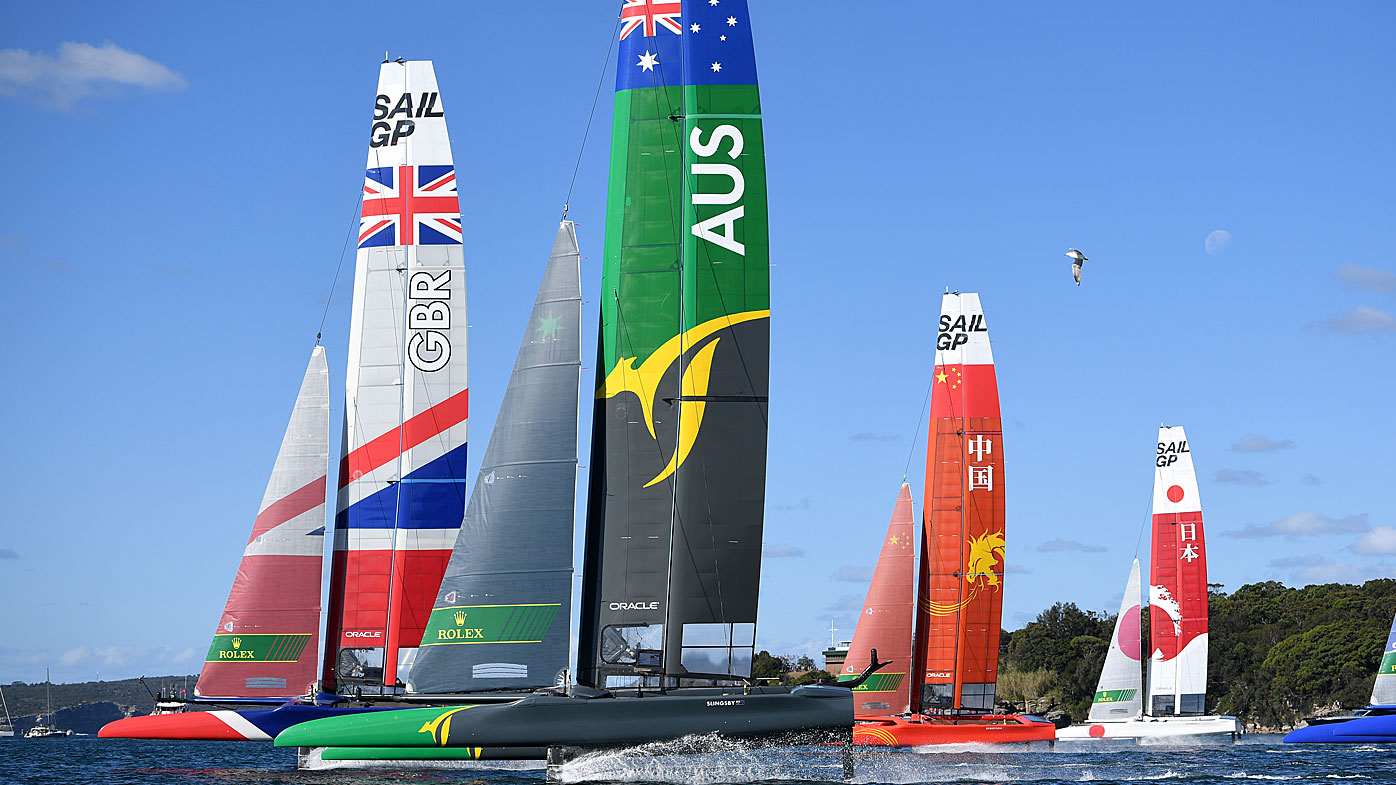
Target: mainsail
x=402 y=478
x=503 y=613
x=267 y=641
x=1384 y=689
x=678 y=466
x=960 y=594
x=1177 y=583
x=885 y=623
x=1118 y=694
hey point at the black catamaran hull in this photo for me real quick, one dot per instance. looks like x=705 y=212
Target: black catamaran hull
x=603 y=721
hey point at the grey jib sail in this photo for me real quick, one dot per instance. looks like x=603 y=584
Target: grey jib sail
x=502 y=616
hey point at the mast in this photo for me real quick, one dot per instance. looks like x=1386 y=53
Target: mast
x=1177 y=583
x=960 y=584
x=503 y=613
x=885 y=622
x=674 y=518
x=402 y=477
x=268 y=637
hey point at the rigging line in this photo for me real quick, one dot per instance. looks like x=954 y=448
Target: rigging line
x=349 y=232
x=916 y=434
x=601 y=80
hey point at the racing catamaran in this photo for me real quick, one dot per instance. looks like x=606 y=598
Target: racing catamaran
x=402 y=475
x=1177 y=689
x=676 y=496
x=1375 y=724
x=949 y=697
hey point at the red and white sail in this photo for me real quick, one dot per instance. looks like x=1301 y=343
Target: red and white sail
x=402 y=481
x=1118 y=695
x=1177 y=583
x=960 y=596
x=885 y=623
x=267 y=642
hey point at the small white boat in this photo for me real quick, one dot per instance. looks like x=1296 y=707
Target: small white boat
x=50 y=730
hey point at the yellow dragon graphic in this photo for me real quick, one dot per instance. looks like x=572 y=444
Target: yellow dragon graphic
x=985 y=554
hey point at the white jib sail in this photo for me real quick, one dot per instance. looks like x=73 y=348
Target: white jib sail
x=1119 y=694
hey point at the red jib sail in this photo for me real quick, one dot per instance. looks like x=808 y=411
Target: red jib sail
x=885 y=623
x=960 y=590
x=1177 y=583
x=267 y=641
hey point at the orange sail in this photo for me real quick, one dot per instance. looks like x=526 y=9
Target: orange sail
x=885 y=623
x=959 y=602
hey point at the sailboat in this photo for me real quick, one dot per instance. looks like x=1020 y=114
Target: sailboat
x=674 y=518
x=42 y=730
x=1375 y=724
x=7 y=726
x=1177 y=688
x=949 y=697
x=500 y=625
x=401 y=489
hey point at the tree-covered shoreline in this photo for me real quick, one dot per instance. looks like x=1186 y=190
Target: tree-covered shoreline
x=1276 y=654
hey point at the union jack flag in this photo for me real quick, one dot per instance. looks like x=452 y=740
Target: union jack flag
x=651 y=15
x=410 y=205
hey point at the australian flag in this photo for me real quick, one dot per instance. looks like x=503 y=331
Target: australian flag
x=676 y=42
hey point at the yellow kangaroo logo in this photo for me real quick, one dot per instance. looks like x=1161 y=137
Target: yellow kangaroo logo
x=643 y=381
x=440 y=728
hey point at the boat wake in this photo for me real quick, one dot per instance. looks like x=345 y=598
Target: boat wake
x=312 y=761
x=705 y=760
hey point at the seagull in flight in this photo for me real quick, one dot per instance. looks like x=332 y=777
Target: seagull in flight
x=1077 y=259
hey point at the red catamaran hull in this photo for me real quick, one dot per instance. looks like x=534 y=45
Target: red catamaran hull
x=918 y=731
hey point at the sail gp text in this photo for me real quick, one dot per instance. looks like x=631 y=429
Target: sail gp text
x=394 y=123
x=1168 y=453
x=429 y=319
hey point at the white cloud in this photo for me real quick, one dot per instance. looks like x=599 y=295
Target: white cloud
x=1362 y=319
x=853 y=573
x=846 y=602
x=1254 y=442
x=781 y=550
x=116 y=656
x=1240 y=477
x=1371 y=279
x=1216 y=241
x=1052 y=546
x=78 y=70
x=1381 y=540
x=1304 y=524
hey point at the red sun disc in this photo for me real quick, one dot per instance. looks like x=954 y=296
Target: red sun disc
x=1175 y=493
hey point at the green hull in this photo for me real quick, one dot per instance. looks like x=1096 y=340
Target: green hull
x=404 y=728
x=433 y=753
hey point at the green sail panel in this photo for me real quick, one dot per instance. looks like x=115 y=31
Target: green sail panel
x=256 y=648
x=678 y=464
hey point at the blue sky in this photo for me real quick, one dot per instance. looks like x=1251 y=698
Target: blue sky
x=183 y=183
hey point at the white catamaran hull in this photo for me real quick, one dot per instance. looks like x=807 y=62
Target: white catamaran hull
x=1146 y=728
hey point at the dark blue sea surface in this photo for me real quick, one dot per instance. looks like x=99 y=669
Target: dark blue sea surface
x=93 y=761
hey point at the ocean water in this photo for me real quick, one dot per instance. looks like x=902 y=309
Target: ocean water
x=92 y=761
